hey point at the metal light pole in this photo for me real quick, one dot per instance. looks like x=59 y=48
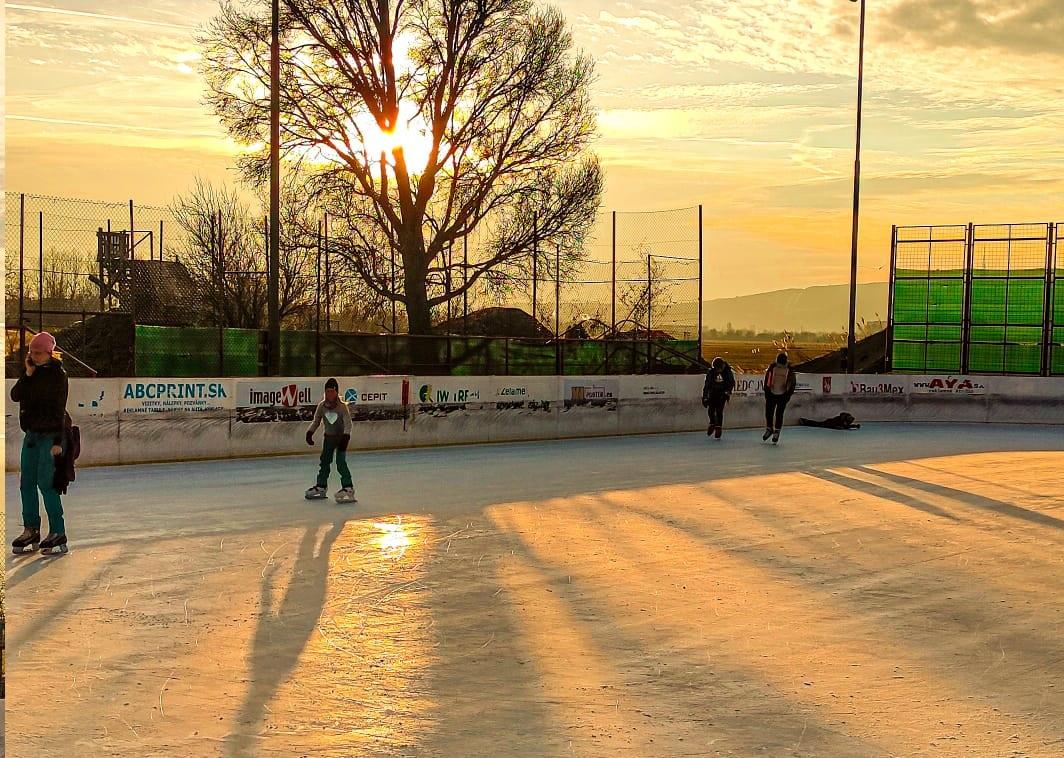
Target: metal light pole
x=850 y=333
x=273 y=287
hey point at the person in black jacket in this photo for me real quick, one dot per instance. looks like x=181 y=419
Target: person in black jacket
x=716 y=393
x=41 y=393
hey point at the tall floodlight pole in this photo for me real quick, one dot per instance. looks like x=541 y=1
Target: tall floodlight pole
x=275 y=193
x=850 y=332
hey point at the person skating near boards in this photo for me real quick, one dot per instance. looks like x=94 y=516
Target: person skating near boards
x=716 y=393
x=780 y=381
x=336 y=417
x=41 y=392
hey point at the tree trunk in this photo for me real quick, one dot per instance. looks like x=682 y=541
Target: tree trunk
x=417 y=305
x=419 y=317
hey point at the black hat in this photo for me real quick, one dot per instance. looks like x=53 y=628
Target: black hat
x=332 y=384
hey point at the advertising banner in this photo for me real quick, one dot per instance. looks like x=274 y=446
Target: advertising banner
x=371 y=390
x=876 y=385
x=647 y=387
x=524 y=391
x=172 y=395
x=592 y=390
x=949 y=385
x=373 y=398
x=278 y=393
x=451 y=390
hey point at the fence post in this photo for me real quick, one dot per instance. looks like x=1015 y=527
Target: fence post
x=160 y=241
x=613 y=279
x=447 y=283
x=130 y=286
x=557 y=308
x=22 y=277
x=40 y=271
x=1047 y=299
x=221 y=350
x=701 y=358
x=328 y=288
x=535 y=263
x=888 y=350
x=317 y=307
x=394 y=292
x=649 y=302
x=465 y=285
x=966 y=307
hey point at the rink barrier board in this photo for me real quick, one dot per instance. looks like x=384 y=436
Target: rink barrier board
x=137 y=421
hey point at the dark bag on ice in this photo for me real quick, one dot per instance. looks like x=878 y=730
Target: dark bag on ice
x=842 y=421
x=64 y=464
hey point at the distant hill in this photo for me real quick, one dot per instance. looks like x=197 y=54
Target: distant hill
x=812 y=309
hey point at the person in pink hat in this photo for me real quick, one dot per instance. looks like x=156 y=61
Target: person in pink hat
x=41 y=393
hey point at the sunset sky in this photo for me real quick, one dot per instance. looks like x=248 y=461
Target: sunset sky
x=745 y=106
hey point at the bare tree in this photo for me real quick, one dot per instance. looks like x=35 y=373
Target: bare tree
x=416 y=122
x=224 y=251
x=650 y=296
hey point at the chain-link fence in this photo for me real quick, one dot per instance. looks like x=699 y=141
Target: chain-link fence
x=978 y=298
x=99 y=274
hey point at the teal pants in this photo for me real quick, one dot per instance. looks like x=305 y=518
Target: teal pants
x=329 y=449
x=37 y=473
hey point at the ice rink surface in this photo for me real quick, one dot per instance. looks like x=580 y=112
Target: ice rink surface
x=897 y=590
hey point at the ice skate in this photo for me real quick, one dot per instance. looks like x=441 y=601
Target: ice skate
x=776 y=437
x=54 y=544
x=27 y=542
x=717 y=431
x=346 y=495
x=710 y=430
x=316 y=493
x=766 y=435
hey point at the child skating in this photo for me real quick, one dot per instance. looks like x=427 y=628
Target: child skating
x=336 y=417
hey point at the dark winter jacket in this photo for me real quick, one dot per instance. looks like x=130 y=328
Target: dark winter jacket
x=42 y=400
x=719 y=384
x=64 y=464
x=842 y=421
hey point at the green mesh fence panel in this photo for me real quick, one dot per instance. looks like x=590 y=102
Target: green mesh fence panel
x=988 y=301
x=986 y=358
x=944 y=356
x=297 y=354
x=992 y=334
x=179 y=352
x=241 y=352
x=1056 y=359
x=909 y=333
x=1026 y=301
x=937 y=333
x=1023 y=359
x=910 y=301
x=166 y=351
x=583 y=358
x=945 y=301
x=909 y=356
x=1007 y=300
x=531 y=359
